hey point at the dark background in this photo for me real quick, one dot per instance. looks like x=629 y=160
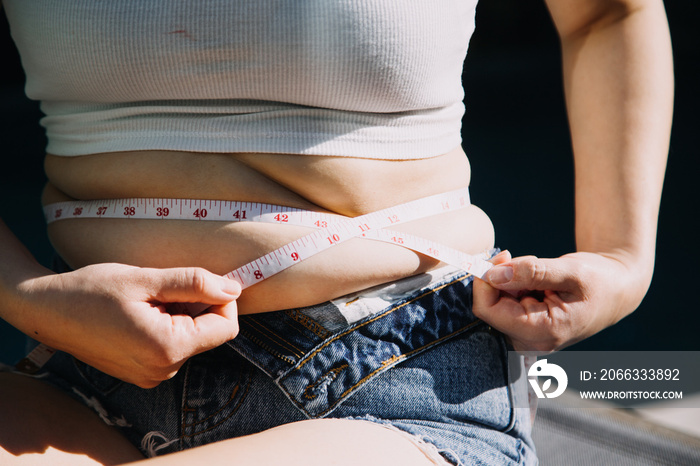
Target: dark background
x=516 y=136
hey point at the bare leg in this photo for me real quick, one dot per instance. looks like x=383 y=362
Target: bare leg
x=41 y=425
x=320 y=442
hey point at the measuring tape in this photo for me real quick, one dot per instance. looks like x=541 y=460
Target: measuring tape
x=331 y=230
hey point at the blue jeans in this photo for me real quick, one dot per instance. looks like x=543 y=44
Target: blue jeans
x=410 y=355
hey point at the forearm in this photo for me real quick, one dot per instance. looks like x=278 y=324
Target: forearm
x=619 y=89
x=17 y=267
x=115 y=317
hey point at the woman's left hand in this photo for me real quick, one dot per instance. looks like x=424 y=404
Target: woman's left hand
x=618 y=80
x=548 y=304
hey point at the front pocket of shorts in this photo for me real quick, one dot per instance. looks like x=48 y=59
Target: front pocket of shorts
x=479 y=385
x=212 y=396
x=463 y=379
x=459 y=380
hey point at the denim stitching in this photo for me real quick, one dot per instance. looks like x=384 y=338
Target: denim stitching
x=184 y=408
x=233 y=411
x=512 y=420
x=352 y=329
x=405 y=356
x=396 y=360
x=307 y=322
x=276 y=338
x=393 y=359
x=521 y=448
x=264 y=346
x=326 y=378
x=385 y=365
x=230 y=400
x=503 y=348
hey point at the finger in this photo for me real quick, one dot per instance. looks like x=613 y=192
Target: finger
x=227 y=311
x=499 y=310
x=501 y=258
x=211 y=329
x=193 y=285
x=532 y=273
x=485 y=295
x=525 y=320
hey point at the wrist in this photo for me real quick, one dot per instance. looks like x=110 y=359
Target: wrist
x=26 y=301
x=628 y=275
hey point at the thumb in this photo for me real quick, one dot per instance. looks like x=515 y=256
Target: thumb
x=532 y=273
x=193 y=285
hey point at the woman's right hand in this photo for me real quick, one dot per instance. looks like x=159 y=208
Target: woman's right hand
x=126 y=321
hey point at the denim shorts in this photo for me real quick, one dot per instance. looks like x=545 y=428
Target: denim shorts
x=409 y=355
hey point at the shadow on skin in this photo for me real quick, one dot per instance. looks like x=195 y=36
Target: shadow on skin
x=41 y=425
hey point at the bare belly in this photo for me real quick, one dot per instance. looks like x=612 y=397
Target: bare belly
x=337 y=185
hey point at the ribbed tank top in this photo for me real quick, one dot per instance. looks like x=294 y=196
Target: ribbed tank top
x=361 y=78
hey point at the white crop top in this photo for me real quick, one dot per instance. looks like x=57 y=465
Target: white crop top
x=362 y=78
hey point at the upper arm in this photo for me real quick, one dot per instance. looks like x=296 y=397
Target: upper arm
x=573 y=17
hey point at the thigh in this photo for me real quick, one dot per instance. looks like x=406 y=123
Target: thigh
x=42 y=425
x=318 y=442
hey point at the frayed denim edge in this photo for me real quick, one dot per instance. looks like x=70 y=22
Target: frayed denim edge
x=424 y=443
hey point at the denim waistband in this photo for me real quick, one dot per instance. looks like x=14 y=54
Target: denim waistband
x=318 y=359
x=320 y=355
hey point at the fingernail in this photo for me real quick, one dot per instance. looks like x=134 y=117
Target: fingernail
x=500 y=275
x=231 y=287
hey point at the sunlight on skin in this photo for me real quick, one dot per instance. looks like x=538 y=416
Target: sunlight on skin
x=327 y=439
x=58 y=431
x=54 y=457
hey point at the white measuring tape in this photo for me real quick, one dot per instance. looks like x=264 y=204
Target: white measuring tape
x=331 y=230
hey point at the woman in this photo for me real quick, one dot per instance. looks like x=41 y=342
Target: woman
x=342 y=109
